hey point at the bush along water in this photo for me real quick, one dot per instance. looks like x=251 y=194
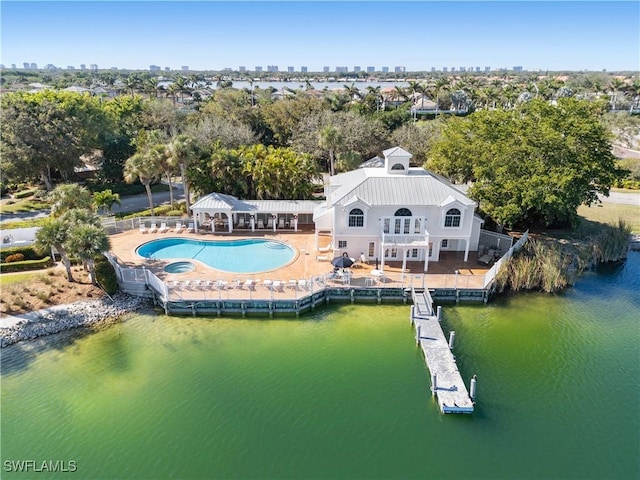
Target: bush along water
x=550 y=265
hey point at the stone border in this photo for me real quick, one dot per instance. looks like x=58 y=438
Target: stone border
x=59 y=318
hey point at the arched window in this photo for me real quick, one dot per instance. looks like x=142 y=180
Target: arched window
x=452 y=218
x=397 y=166
x=356 y=218
x=403 y=212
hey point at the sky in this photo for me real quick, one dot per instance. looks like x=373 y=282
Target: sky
x=540 y=35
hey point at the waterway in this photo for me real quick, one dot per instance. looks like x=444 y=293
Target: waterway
x=339 y=393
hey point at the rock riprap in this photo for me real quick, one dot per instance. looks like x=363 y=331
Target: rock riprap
x=66 y=317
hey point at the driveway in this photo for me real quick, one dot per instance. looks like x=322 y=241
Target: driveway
x=128 y=204
x=624 y=198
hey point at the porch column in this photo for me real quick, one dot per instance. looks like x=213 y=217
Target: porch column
x=230 y=217
x=466 y=250
x=252 y=220
x=274 y=220
x=295 y=223
x=382 y=256
x=196 y=220
x=404 y=259
x=426 y=259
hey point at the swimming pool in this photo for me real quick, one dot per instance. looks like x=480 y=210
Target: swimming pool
x=237 y=256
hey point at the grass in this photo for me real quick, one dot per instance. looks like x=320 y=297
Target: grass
x=610 y=213
x=22 y=205
x=11 y=279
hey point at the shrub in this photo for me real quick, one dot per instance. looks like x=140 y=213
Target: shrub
x=25 y=193
x=16 y=257
x=106 y=276
x=28 y=252
x=25 y=265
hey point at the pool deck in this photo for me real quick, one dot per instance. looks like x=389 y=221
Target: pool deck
x=304 y=266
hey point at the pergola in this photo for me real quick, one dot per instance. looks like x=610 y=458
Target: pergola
x=226 y=213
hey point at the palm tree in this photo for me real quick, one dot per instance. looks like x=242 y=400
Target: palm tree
x=133 y=82
x=67 y=196
x=53 y=233
x=441 y=84
x=634 y=91
x=151 y=85
x=105 y=200
x=144 y=167
x=616 y=85
x=182 y=151
x=329 y=138
x=86 y=241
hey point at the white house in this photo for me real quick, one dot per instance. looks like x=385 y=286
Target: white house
x=396 y=212
x=385 y=210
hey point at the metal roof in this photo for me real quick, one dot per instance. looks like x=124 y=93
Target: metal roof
x=220 y=201
x=419 y=188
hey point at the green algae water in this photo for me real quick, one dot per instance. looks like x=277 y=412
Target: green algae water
x=339 y=393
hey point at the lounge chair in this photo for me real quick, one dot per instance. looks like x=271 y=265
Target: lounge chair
x=326 y=249
x=302 y=284
x=269 y=223
x=143 y=229
x=178 y=228
x=192 y=227
x=267 y=284
x=281 y=223
x=163 y=228
x=153 y=228
x=260 y=224
x=322 y=258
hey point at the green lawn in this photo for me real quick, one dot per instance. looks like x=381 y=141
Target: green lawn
x=11 y=278
x=22 y=205
x=610 y=213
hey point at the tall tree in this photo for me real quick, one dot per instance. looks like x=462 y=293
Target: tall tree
x=144 y=167
x=47 y=131
x=87 y=241
x=182 y=152
x=330 y=139
x=68 y=196
x=105 y=200
x=533 y=165
x=53 y=233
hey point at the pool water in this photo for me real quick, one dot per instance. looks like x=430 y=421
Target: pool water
x=235 y=256
x=180 y=267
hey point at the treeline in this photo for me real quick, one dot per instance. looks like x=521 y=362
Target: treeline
x=530 y=161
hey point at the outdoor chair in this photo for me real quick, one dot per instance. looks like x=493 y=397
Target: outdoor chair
x=178 y=228
x=322 y=258
x=281 y=223
x=260 y=224
x=269 y=223
x=163 y=228
x=241 y=222
x=192 y=227
x=154 y=228
x=143 y=229
x=326 y=249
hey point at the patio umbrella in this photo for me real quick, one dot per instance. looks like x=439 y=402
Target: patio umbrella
x=342 y=262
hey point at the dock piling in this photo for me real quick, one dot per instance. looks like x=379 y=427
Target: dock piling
x=472 y=388
x=434 y=384
x=452 y=337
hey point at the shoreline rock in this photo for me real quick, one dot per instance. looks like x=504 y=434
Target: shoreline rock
x=81 y=314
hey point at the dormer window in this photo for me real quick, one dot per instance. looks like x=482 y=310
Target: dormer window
x=452 y=218
x=397 y=166
x=356 y=218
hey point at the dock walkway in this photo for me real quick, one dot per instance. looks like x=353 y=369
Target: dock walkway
x=447 y=384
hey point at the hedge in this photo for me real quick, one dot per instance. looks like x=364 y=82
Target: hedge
x=25 y=193
x=28 y=252
x=106 y=276
x=26 y=265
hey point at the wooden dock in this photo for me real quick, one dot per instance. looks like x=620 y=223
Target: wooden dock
x=447 y=384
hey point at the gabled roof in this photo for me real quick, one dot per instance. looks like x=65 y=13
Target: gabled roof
x=220 y=201
x=396 y=152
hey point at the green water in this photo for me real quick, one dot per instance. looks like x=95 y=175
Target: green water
x=340 y=393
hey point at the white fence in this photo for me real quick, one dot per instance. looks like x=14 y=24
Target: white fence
x=490 y=276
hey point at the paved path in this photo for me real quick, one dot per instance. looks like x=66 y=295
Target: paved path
x=128 y=204
x=624 y=198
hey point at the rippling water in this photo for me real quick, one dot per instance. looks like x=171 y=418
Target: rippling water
x=340 y=393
